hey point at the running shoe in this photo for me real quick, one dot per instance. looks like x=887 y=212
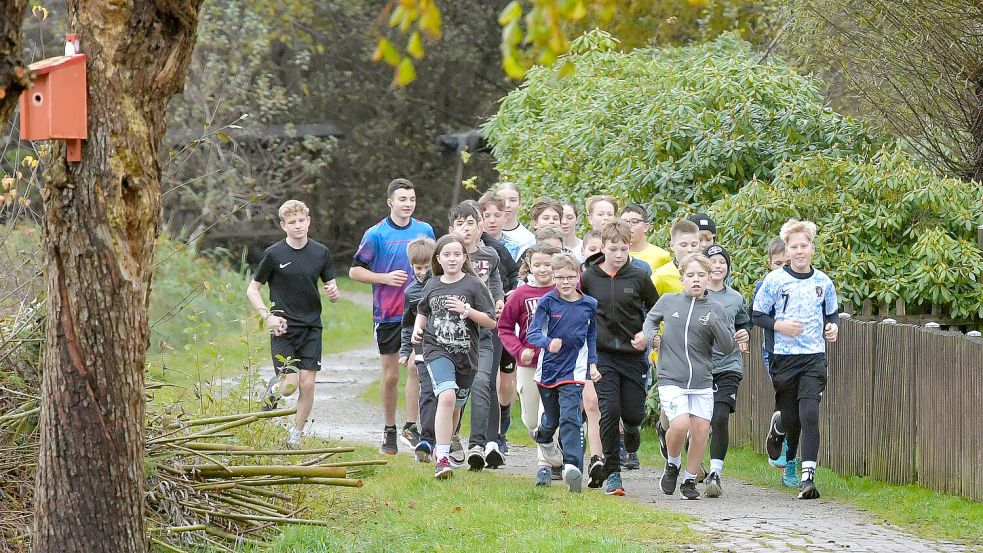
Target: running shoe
x=688 y=489
x=782 y=459
x=423 y=451
x=702 y=474
x=457 y=451
x=613 y=485
x=573 y=478
x=712 y=485
x=663 y=449
x=493 y=457
x=389 y=446
x=632 y=462
x=669 y=477
x=293 y=442
x=410 y=436
x=595 y=472
x=808 y=490
x=552 y=454
x=503 y=445
x=476 y=458
x=443 y=469
x=556 y=473
x=789 y=476
x=775 y=439
x=622 y=452
x=543 y=476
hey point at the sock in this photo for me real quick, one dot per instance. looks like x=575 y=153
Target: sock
x=393 y=427
x=808 y=470
x=677 y=460
x=442 y=451
x=717 y=465
x=687 y=475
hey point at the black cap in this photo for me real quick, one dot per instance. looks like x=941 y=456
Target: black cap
x=717 y=249
x=704 y=221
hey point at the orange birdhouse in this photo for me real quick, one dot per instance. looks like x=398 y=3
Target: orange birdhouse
x=55 y=106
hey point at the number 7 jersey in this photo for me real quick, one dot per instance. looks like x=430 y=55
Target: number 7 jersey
x=809 y=298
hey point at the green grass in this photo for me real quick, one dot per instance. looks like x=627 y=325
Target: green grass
x=402 y=508
x=926 y=513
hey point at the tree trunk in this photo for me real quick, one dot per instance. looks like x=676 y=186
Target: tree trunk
x=101 y=218
x=13 y=73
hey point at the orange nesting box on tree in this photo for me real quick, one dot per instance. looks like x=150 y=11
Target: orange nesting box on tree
x=55 y=106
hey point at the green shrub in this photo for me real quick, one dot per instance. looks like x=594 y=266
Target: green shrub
x=671 y=128
x=888 y=229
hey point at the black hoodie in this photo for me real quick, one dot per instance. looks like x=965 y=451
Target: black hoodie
x=623 y=301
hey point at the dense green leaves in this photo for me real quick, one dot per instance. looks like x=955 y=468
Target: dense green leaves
x=671 y=128
x=888 y=229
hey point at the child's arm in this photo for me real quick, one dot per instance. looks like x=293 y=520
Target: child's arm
x=652 y=321
x=723 y=335
x=534 y=334
x=831 y=309
x=421 y=322
x=592 y=338
x=506 y=327
x=406 y=331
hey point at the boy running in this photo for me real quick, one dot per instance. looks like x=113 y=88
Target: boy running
x=292 y=267
x=382 y=262
x=693 y=326
x=637 y=218
x=625 y=294
x=420 y=253
x=728 y=370
x=564 y=328
x=805 y=308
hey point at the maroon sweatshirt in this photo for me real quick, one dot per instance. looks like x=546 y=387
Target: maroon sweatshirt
x=517 y=315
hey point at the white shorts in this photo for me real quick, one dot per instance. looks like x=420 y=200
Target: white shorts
x=678 y=401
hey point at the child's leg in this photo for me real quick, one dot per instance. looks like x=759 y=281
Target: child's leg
x=679 y=427
x=550 y=419
x=412 y=394
x=528 y=396
x=428 y=404
x=632 y=412
x=593 y=409
x=699 y=430
x=306 y=399
x=483 y=395
x=569 y=398
x=812 y=383
x=725 y=387
x=442 y=373
x=675 y=405
x=444 y=418
x=608 y=390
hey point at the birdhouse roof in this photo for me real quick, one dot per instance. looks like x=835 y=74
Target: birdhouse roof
x=50 y=64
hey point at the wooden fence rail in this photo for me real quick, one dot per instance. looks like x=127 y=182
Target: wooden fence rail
x=903 y=404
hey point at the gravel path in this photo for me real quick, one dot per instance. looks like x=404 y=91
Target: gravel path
x=746 y=518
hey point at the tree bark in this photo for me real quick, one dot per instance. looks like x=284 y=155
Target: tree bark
x=101 y=219
x=13 y=73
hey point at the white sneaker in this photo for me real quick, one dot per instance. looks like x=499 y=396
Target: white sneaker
x=551 y=453
x=293 y=442
x=573 y=477
x=493 y=457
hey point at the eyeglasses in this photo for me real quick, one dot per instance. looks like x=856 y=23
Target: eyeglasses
x=634 y=222
x=566 y=278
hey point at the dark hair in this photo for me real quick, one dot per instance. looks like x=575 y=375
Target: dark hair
x=545 y=204
x=399 y=184
x=572 y=205
x=637 y=209
x=540 y=247
x=462 y=210
x=444 y=240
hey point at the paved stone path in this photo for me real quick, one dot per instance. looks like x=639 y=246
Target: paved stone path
x=746 y=518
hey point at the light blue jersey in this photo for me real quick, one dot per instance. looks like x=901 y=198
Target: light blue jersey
x=808 y=298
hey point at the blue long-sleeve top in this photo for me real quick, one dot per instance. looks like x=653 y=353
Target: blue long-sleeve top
x=574 y=323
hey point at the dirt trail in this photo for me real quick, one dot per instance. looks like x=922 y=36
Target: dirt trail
x=746 y=518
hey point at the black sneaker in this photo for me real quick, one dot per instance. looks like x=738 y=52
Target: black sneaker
x=808 y=489
x=712 y=485
x=476 y=458
x=632 y=462
x=688 y=489
x=389 y=446
x=410 y=436
x=775 y=439
x=595 y=472
x=663 y=449
x=669 y=477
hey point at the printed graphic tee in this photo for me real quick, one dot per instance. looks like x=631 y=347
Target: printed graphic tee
x=446 y=333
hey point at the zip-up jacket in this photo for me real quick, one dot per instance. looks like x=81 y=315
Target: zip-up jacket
x=622 y=302
x=516 y=317
x=693 y=326
x=574 y=323
x=737 y=317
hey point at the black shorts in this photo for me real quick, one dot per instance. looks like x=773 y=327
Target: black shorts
x=300 y=345
x=507 y=362
x=387 y=337
x=725 y=386
x=797 y=377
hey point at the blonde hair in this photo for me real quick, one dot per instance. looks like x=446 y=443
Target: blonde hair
x=616 y=231
x=292 y=206
x=594 y=200
x=548 y=233
x=794 y=226
x=697 y=258
x=565 y=260
x=775 y=246
x=706 y=236
x=420 y=251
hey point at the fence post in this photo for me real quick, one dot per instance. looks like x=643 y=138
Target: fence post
x=979 y=236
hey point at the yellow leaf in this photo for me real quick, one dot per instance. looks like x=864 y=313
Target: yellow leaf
x=470 y=183
x=512 y=33
x=406 y=73
x=415 y=46
x=305 y=89
x=223 y=137
x=320 y=48
x=430 y=23
x=578 y=12
x=387 y=52
x=398 y=16
x=566 y=69
x=465 y=156
x=512 y=68
x=511 y=13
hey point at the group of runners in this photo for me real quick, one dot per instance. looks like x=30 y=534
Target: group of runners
x=576 y=329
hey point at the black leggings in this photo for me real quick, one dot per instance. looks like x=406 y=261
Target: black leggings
x=719 y=435
x=804 y=420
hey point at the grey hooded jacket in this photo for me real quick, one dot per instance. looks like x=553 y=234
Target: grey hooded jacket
x=693 y=326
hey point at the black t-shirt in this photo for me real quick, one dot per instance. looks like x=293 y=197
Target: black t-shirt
x=292 y=275
x=446 y=333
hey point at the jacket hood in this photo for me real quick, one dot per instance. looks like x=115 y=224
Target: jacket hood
x=593 y=263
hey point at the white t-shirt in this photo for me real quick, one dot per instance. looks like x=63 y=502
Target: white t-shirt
x=517 y=240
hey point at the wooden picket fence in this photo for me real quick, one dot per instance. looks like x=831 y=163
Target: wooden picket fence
x=903 y=404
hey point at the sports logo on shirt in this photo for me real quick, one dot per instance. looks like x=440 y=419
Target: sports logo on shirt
x=819 y=291
x=705 y=320
x=675 y=315
x=282 y=265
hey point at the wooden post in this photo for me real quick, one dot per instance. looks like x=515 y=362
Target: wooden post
x=979 y=236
